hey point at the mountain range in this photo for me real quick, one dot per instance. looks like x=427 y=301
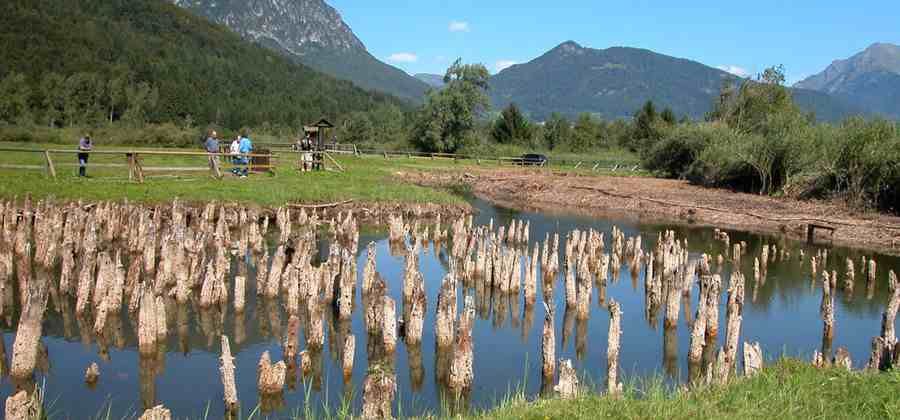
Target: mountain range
x=313 y=33
x=869 y=80
x=569 y=79
x=615 y=82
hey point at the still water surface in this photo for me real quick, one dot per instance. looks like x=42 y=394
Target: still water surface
x=782 y=314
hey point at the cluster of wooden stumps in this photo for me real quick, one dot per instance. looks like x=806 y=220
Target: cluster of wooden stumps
x=149 y=266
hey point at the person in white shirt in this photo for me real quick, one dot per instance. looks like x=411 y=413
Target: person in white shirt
x=235 y=148
x=235 y=151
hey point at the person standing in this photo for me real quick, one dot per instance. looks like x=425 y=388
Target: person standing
x=245 y=148
x=212 y=147
x=85 y=145
x=235 y=154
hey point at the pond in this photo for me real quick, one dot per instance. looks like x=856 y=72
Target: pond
x=782 y=313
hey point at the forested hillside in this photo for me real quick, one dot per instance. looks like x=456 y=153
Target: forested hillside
x=313 y=33
x=615 y=82
x=82 y=62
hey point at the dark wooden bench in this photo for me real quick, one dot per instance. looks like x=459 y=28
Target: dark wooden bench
x=811 y=231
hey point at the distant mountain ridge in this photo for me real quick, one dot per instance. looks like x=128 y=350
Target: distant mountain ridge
x=310 y=32
x=613 y=83
x=869 y=79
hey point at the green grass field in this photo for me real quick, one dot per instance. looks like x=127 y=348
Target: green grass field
x=367 y=178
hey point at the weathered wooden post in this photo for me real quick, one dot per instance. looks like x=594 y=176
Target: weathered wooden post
x=735 y=316
x=227 y=370
x=712 y=304
x=827 y=307
x=568 y=386
x=379 y=389
x=389 y=325
x=613 y=387
x=461 y=373
x=698 y=340
x=548 y=345
x=92 y=374
x=753 y=359
x=446 y=311
x=28 y=334
x=348 y=355
x=270 y=377
x=156 y=413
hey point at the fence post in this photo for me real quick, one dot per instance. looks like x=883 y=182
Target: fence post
x=138 y=168
x=50 y=168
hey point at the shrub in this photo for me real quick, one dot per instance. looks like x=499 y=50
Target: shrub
x=861 y=160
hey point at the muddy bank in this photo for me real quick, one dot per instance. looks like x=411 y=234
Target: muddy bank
x=672 y=201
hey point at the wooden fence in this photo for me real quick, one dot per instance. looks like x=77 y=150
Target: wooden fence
x=134 y=161
x=352 y=149
x=595 y=165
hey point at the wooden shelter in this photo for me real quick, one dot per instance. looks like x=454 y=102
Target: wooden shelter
x=317 y=134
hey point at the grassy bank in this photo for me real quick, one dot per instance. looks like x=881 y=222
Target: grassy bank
x=787 y=389
x=365 y=179
x=368 y=180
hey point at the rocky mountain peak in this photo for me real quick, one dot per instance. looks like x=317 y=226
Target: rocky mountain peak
x=569 y=47
x=293 y=25
x=310 y=32
x=878 y=57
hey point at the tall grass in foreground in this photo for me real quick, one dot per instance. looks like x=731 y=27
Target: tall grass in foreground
x=788 y=389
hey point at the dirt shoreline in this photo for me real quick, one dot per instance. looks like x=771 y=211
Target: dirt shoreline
x=673 y=201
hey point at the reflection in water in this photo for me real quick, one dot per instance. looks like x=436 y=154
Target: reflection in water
x=302 y=326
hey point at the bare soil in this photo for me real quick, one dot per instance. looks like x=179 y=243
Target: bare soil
x=673 y=201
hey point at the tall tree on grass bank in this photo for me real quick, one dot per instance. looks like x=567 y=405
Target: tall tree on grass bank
x=557 y=131
x=650 y=126
x=447 y=121
x=512 y=127
x=765 y=109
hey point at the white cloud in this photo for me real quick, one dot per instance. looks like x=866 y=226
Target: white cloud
x=503 y=64
x=735 y=70
x=459 y=26
x=403 y=57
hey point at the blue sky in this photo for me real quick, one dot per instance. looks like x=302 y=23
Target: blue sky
x=427 y=35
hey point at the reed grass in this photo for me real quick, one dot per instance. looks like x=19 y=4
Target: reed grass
x=789 y=388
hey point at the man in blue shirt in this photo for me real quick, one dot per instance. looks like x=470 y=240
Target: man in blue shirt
x=245 y=148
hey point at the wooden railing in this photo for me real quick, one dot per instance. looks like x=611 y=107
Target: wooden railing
x=594 y=165
x=135 y=164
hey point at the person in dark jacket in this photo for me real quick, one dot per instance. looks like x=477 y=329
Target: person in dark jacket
x=85 y=145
